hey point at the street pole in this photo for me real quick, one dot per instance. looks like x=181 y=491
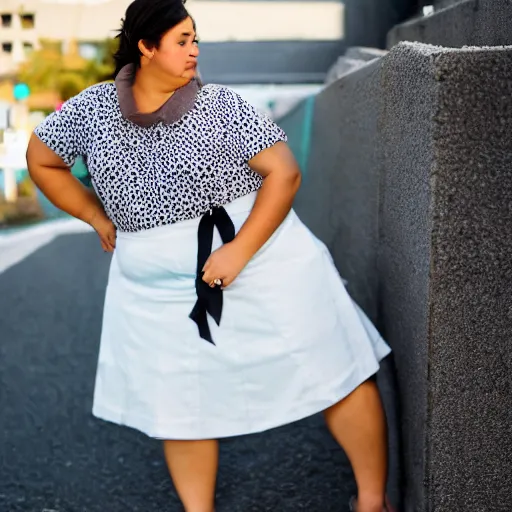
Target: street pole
x=10 y=185
x=12 y=156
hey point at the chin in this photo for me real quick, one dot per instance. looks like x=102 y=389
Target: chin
x=183 y=80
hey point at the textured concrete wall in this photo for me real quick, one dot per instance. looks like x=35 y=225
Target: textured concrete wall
x=339 y=198
x=409 y=183
x=470 y=347
x=466 y=23
x=339 y=201
x=409 y=96
x=446 y=271
x=343 y=66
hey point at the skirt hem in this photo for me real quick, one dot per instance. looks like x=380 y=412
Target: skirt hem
x=186 y=433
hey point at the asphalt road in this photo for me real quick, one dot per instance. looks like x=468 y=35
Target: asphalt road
x=56 y=457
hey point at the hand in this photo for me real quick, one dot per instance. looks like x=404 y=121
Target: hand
x=225 y=263
x=105 y=229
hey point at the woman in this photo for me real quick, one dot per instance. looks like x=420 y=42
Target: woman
x=197 y=345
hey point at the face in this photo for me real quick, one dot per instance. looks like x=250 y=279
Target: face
x=177 y=53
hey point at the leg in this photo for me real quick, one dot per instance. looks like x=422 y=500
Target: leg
x=193 y=469
x=358 y=423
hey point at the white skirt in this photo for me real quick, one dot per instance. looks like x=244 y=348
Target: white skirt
x=291 y=341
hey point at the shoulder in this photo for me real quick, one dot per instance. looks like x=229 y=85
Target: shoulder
x=217 y=90
x=227 y=103
x=101 y=89
x=220 y=95
x=218 y=103
x=102 y=94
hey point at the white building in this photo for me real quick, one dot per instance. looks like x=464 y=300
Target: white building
x=24 y=23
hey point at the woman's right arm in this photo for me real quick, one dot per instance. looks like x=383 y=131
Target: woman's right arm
x=53 y=177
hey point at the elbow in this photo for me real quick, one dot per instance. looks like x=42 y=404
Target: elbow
x=30 y=156
x=30 y=161
x=289 y=179
x=295 y=180
x=298 y=179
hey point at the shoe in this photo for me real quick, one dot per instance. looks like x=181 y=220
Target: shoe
x=387 y=505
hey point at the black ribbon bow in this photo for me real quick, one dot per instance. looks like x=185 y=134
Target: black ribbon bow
x=209 y=300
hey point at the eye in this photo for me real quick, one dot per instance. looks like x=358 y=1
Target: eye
x=196 y=41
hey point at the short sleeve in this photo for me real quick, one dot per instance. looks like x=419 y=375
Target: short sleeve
x=63 y=131
x=252 y=130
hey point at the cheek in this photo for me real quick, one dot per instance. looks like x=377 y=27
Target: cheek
x=173 y=59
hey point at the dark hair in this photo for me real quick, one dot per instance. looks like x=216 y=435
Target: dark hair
x=146 y=20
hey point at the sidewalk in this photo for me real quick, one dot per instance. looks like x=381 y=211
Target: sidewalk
x=15 y=245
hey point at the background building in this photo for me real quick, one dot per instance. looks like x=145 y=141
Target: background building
x=230 y=32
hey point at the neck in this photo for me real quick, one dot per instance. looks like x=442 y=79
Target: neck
x=151 y=89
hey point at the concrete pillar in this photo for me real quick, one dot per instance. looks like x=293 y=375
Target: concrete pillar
x=409 y=183
x=446 y=272
x=464 y=23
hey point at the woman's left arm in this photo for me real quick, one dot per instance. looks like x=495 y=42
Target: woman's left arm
x=281 y=181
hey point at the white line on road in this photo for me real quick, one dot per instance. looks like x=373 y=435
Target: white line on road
x=16 y=247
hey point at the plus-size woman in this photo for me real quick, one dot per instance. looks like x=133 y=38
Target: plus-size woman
x=223 y=314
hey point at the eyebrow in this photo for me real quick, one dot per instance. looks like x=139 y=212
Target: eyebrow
x=187 y=34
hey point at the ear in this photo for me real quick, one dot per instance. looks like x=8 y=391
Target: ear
x=145 y=50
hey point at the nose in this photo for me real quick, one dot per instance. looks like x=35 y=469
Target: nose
x=195 y=51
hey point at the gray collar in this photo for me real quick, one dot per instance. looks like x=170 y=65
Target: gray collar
x=181 y=102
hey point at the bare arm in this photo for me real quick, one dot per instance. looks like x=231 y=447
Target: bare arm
x=53 y=177
x=281 y=181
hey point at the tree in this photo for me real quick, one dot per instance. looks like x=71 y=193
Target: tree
x=41 y=69
x=69 y=84
x=48 y=69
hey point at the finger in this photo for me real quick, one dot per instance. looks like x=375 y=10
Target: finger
x=226 y=282
x=221 y=285
x=207 y=277
x=112 y=239
x=210 y=277
x=108 y=245
x=207 y=265
x=211 y=274
x=103 y=245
